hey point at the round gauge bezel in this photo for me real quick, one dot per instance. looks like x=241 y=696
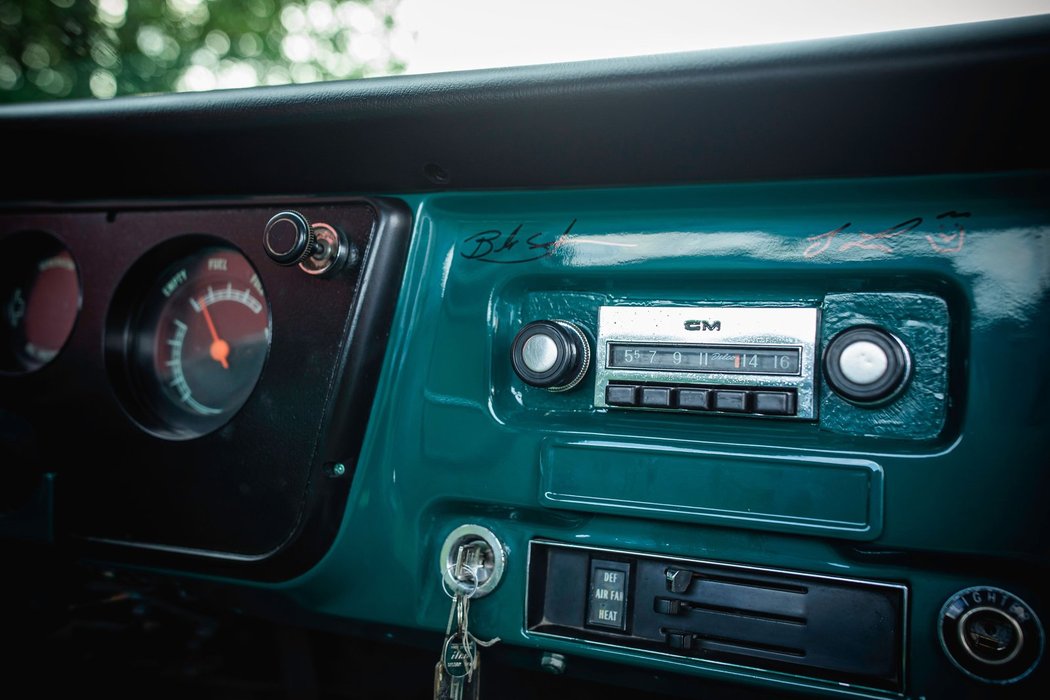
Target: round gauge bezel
x=38 y=245
x=130 y=366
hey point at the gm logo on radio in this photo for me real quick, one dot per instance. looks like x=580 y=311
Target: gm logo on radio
x=703 y=325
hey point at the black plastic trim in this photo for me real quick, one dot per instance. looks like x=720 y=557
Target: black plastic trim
x=945 y=99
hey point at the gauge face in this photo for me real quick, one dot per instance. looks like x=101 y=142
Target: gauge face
x=40 y=297
x=198 y=342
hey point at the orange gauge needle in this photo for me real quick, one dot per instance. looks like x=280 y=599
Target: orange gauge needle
x=220 y=349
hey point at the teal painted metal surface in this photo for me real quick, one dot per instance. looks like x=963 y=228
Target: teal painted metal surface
x=455 y=437
x=831 y=496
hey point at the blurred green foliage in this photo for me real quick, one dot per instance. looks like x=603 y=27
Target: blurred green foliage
x=102 y=48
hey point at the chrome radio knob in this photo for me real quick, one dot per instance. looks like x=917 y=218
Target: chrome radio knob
x=865 y=364
x=552 y=355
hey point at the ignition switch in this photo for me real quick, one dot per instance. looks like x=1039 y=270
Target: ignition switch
x=472 y=560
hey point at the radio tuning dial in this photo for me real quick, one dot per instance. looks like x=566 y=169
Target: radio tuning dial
x=552 y=355
x=865 y=364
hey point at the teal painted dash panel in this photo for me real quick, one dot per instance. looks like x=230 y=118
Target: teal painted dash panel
x=835 y=497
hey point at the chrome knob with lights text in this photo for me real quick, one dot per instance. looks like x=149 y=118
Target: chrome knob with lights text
x=991 y=635
x=552 y=355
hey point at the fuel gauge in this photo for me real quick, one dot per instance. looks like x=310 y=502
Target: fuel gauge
x=197 y=342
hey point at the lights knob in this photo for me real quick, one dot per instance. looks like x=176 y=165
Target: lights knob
x=865 y=364
x=318 y=249
x=552 y=355
x=289 y=238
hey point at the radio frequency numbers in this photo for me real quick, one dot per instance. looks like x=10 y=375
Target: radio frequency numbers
x=705 y=358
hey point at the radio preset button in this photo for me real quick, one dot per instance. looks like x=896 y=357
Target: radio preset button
x=774 y=403
x=656 y=397
x=621 y=395
x=694 y=399
x=735 y=401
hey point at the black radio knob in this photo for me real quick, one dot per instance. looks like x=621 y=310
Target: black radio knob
x=866 y=364
x=553 y=355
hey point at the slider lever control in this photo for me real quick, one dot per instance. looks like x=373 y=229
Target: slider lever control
x=670 y=606
x=678 y=580
x=680 y=640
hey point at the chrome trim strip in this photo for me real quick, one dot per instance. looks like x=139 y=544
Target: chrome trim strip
x=172 y=549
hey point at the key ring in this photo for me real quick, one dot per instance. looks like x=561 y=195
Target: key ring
x=473 y=576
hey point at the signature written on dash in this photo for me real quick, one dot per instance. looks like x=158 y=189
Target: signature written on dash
x=515 y=246
x=949 y=238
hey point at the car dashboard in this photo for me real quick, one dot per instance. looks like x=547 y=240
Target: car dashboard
x=707 y=373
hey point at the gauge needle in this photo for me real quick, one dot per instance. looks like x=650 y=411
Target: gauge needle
x=220 y=349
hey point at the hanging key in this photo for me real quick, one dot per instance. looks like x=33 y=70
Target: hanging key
x=457 y=676
x=473 y=562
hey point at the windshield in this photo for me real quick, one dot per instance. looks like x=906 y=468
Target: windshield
x=51 y=49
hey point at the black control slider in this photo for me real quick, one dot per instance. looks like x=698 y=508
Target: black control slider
x=552 y=355
x=678 y=580
x=671 y=606
x=289 y=238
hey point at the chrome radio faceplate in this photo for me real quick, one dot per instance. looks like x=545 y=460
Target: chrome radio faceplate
x=756 y=361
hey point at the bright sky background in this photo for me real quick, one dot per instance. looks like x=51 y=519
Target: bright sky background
x=461 y=34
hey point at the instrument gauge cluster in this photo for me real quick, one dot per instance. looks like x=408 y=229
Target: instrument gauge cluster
x=174 y=392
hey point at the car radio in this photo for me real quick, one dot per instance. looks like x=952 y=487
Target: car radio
x=741 y=360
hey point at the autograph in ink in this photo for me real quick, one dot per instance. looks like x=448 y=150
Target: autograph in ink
x=495 y=246
x=945 y=242
x=949 y=242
